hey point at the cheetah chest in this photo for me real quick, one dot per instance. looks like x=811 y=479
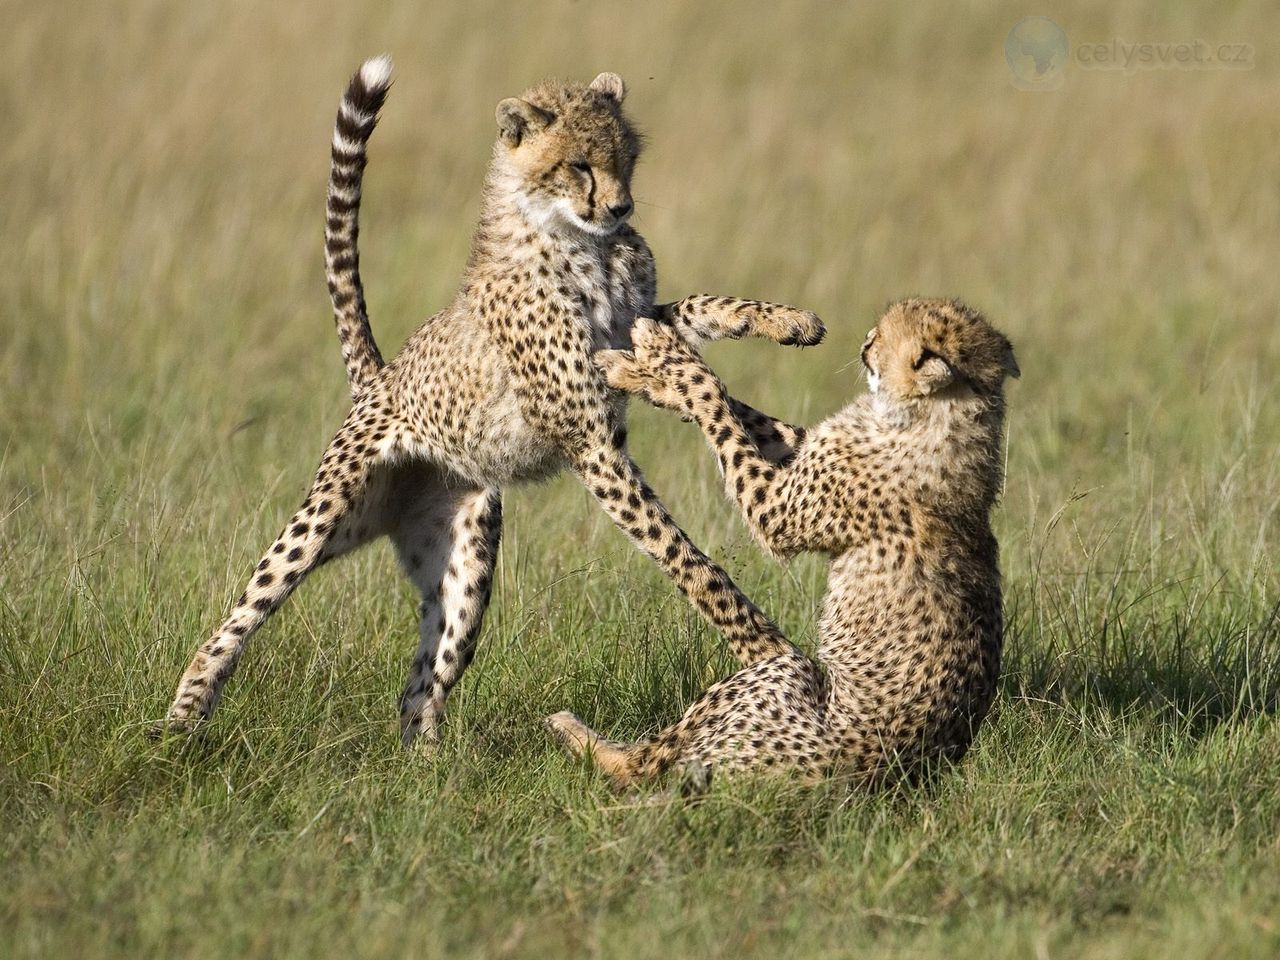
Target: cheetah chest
x=497 y=443
x=595 y=295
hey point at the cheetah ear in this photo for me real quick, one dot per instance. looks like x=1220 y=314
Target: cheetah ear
x=611 y=85
x=518 y=118
x=933 y=373
x=1010 y=363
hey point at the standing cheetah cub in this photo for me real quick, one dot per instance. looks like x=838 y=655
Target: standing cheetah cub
x=897 y=489
x=497 y=388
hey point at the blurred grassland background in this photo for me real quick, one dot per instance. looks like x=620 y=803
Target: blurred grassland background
x=169 y=376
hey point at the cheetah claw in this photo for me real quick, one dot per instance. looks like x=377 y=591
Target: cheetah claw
x=621 y=370
x=808 y=334
x=785 y=325
x=624 y=371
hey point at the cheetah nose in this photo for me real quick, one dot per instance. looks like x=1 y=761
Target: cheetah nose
x=620 y=210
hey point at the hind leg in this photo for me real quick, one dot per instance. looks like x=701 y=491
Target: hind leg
x=447 y=539
x=614 y=759
x=619 y=487
x=769 y=716
x=622 y=762
x=333 y=518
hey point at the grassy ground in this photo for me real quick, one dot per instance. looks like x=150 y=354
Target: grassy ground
x=168 y=376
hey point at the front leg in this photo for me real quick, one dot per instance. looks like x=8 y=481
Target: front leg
x=570 y=403
x=788 y=503
x=775 y=440
x=700 y=319
x=618 y=486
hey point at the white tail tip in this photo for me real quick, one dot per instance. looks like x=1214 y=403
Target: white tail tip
x=376 y=72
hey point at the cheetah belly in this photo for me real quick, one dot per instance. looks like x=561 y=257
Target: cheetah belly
x=902 y=647
x=464 y=410
x=491 y=442
x=505 y=448
x=464 y=414
x=502 y=442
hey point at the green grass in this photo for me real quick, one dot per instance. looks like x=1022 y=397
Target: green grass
x=168 y=376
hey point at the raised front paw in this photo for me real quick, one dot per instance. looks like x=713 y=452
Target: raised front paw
x=660 y=367
x=786 y=325
x=624 y=371
x=701 y=319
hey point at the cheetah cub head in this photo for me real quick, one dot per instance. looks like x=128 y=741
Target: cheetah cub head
x=565 y=153
x=935 y=349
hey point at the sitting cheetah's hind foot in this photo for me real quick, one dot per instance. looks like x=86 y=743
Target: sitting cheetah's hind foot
x=622 y=762
x=614 y=759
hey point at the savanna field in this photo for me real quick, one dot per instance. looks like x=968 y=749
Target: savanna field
x=169 y=376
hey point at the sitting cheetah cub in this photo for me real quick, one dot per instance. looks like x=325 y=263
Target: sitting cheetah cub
x=897 y=489
x=498 y=388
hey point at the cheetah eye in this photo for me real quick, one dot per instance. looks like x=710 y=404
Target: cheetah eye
x=581 y=166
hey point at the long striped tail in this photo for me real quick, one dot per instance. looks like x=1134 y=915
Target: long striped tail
x=357 y=116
